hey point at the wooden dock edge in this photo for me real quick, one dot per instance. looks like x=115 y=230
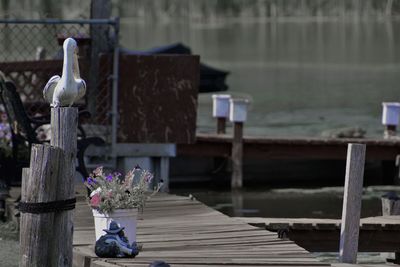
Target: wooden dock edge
x=82 y=257
x=377 y=234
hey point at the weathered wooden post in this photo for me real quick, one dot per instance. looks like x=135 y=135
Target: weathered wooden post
x=38 y=195
x=390 y=118
x=64 y=123
x=237 y=115
x=349 y=231
x=237 y=202
x=221 y=111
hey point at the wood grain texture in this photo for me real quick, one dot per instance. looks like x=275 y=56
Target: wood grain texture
x=39 y=185
x=184 y=232
x=237 y=156
x=64 y=123
x=352 y=203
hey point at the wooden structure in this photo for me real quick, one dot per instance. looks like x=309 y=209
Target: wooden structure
x=64 y=125
x=297 y=148
x=353 y=187
x=213 y=145
x=184 y=232
x=47 y=195
x=158 y=98
x=39 y=185
x=377 y=234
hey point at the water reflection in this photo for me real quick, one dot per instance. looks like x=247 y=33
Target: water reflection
x=303 y=76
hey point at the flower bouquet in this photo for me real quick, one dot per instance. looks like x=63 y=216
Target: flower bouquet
x=116 y=198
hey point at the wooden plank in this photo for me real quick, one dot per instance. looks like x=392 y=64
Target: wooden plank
x=185 y=232
x=352 y=203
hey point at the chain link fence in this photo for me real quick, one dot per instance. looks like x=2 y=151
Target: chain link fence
x=32 y=53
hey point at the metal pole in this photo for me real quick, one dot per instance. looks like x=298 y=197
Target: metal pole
x=114 y=111
x=60 y=21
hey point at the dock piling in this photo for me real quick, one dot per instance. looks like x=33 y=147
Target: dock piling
x=349 y=231
x=38 y=189
x=64 y=125
x=237 y=115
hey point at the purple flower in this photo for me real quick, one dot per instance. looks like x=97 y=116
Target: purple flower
x=117 y=175
x=109 y=178
x=91 y=181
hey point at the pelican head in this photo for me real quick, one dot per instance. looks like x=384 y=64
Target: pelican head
x=70 y=46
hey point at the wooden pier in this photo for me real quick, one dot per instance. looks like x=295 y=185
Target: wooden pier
x=220 y=145
x=185 y=232
x=379 y=151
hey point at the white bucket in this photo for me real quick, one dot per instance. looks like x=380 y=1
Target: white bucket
x=221 y=106
x=238 y=110
x=123 y=217
x=390 y=114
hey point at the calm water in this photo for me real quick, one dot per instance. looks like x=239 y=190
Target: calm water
x=301 y=76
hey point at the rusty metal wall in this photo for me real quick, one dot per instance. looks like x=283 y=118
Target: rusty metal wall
x=158 y=98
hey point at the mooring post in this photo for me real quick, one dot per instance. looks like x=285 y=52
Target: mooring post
x=237 y=115
x=349 y=231
x=221 y=111
x=64 y=123
x=390 y=118
x=38 y=187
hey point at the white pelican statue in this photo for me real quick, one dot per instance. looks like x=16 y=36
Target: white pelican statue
x=65 y=90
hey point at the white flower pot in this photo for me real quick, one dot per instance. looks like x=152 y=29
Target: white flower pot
x=123 y=217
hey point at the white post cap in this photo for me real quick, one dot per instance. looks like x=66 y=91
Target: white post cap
x=238 y=110
x=221 y=106
x=390 y=114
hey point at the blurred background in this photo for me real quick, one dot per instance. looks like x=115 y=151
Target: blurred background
x=306 y=65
